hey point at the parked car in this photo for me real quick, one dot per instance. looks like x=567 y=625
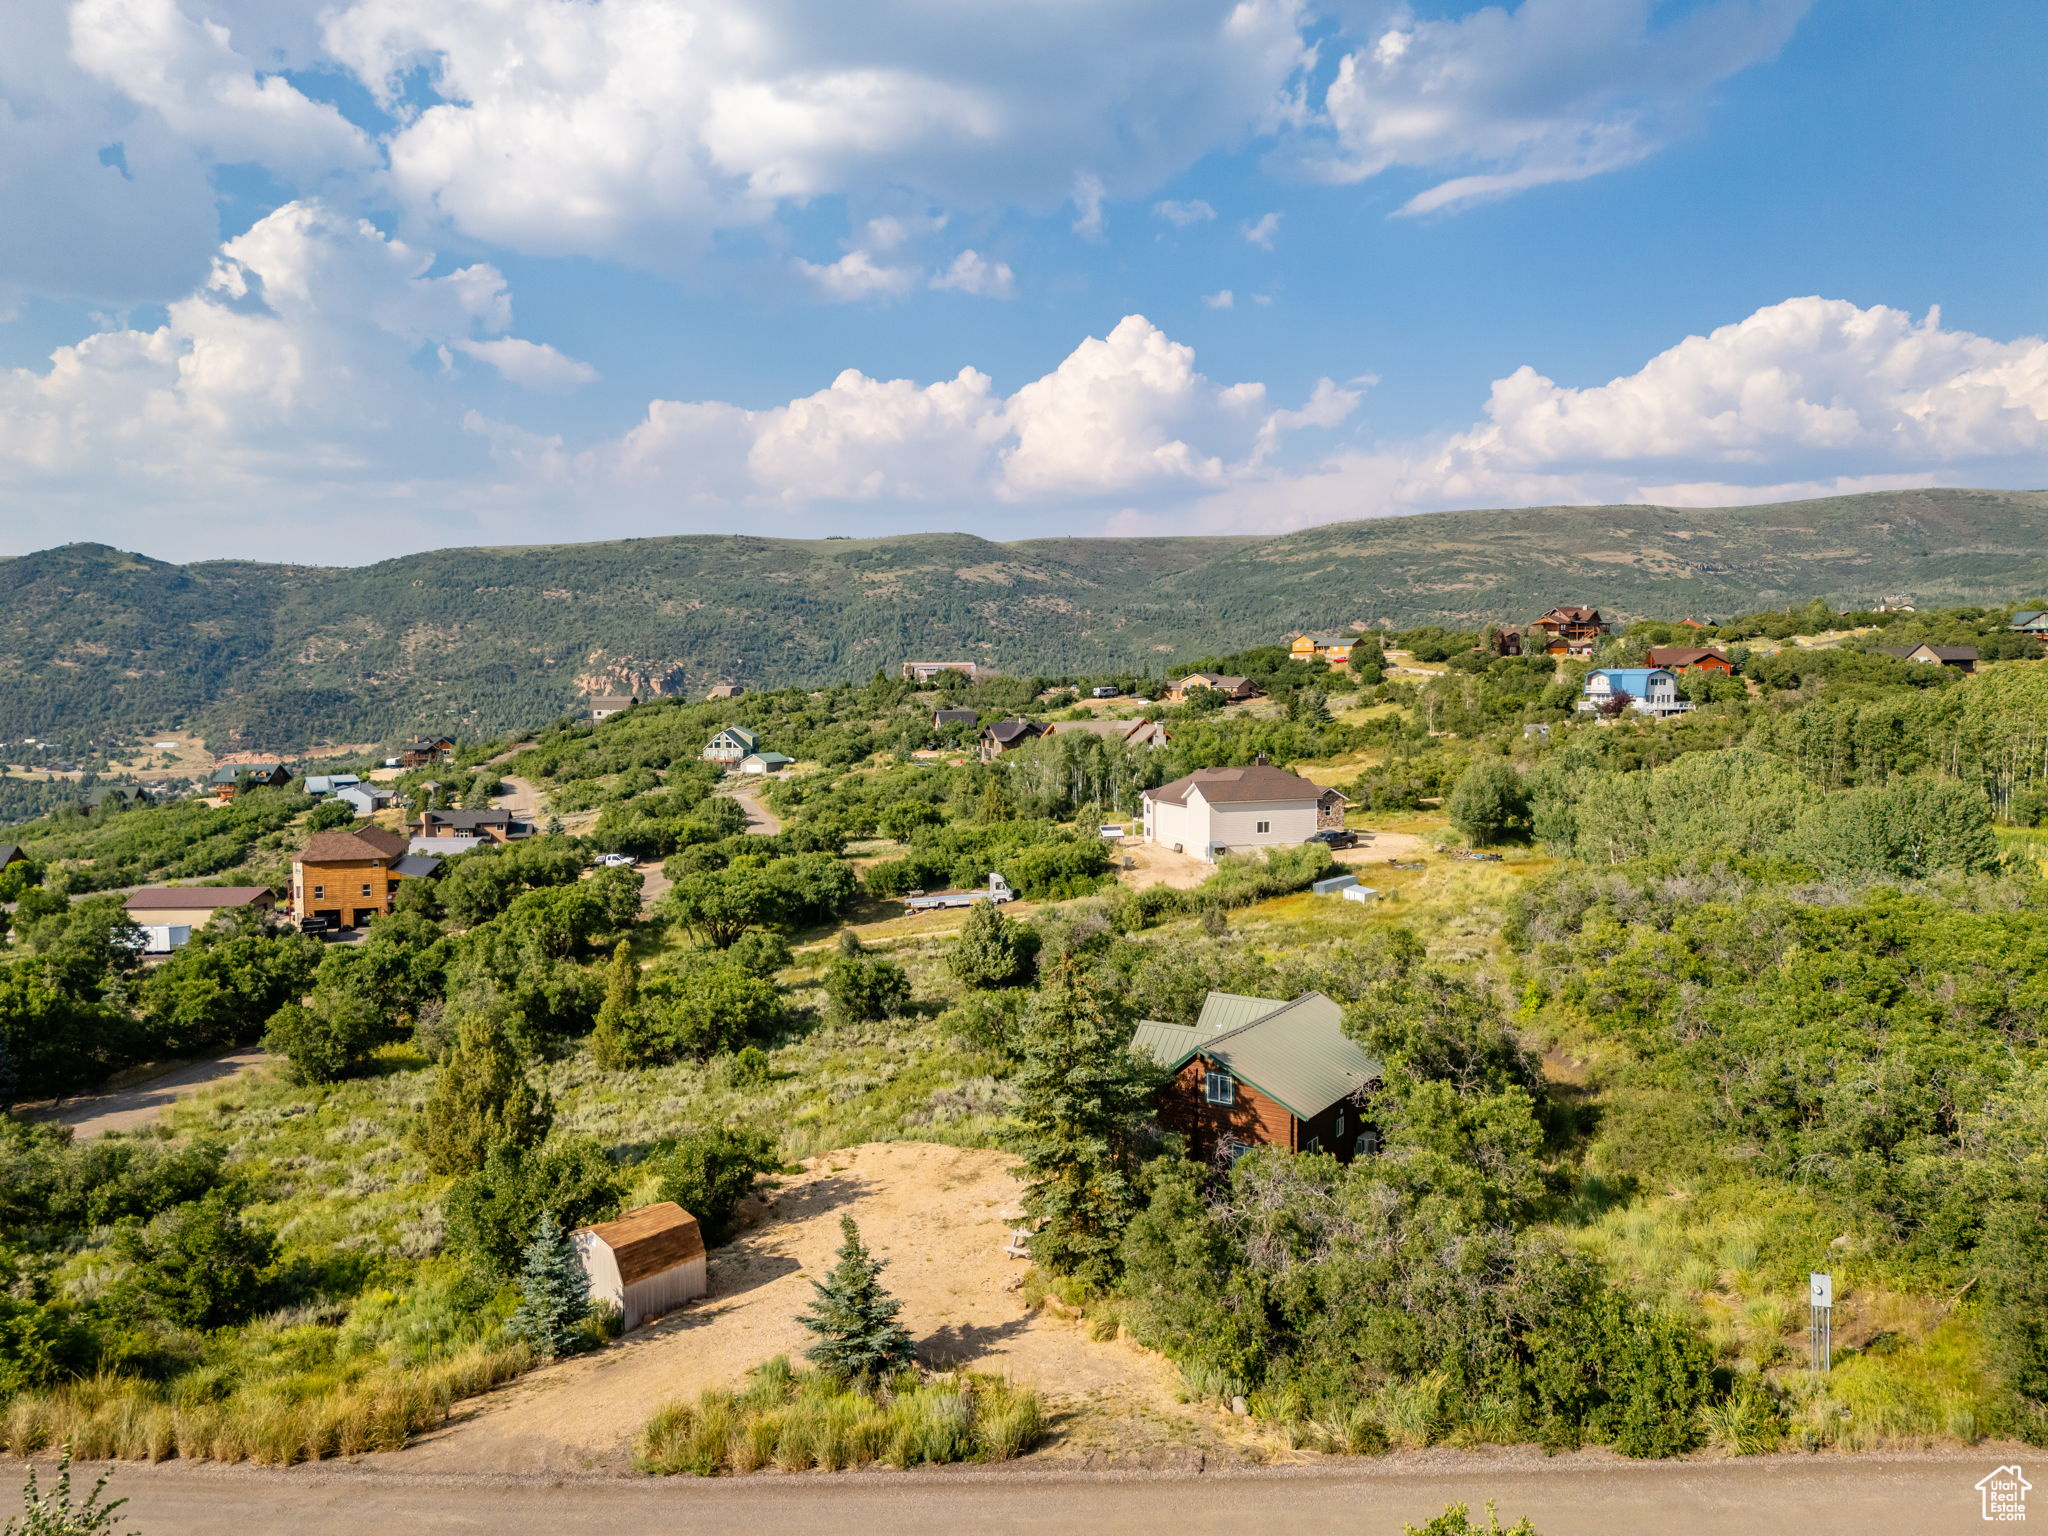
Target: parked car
x=616 y=861
x=319 y=922
x=1336 y=837
x=1106 y=691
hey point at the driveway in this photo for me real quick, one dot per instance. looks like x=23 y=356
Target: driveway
x=130 y=1109
x=761 y=822
x=1578 y=1495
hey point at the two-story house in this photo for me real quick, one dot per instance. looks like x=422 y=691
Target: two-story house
x=1001 y=736
x=351 y=877
x=730 y=745
x=1690 y=658
x=428 y=749
x=1570 y=630
x=1333 y=649
x=1214 y=811
x=1232 y=688
x=1646 y=690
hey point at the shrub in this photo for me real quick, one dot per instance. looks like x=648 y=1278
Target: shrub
x=492 y=1214
x=480 y=1099
x=708 y=1173
x=200 y=1264
x=862 y=987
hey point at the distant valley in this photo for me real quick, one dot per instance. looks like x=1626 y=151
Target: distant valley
x=95 y=642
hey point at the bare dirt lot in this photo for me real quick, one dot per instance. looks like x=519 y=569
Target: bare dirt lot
x=937 y=1214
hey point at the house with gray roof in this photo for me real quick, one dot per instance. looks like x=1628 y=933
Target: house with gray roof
x=1259 y=1072
x=1214 y=811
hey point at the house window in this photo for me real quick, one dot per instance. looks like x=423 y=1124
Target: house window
x=319 y=890
x=1218 y=1088
x=1367 y=1144
x=1265 y=826
x=1315 y=1143
x=1233 y=1149
x=366 y=887
x=1340 y=1125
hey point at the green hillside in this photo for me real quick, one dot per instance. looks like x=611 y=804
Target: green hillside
x=94 y=641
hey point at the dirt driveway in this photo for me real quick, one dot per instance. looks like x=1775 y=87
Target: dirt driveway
x=130 y=1109
x=936 y=1213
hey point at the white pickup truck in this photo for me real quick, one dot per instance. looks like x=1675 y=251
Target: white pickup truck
x=931 y=901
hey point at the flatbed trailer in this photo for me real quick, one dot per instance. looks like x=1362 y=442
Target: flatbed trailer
x=933 y=901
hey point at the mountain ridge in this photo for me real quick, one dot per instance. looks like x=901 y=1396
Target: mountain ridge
x=100 y=641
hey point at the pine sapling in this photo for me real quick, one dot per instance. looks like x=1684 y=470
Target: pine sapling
x=859 y=1338
x=554 y=1293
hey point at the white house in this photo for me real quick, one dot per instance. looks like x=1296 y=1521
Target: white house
x=647 y=1263
x=368 y=799
x=765 y=762
x=1648 y=690
x=1213 y=811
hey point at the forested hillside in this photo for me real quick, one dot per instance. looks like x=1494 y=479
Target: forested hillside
x=97 y=642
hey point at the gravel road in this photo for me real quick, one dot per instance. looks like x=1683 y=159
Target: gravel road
x=1568 y=1496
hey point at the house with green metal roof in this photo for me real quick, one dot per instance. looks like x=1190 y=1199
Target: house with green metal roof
x=1256 y=1071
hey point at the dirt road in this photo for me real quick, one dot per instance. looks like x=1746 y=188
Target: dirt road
x=761 y=822
x=1564 y=1496
x=129 y=1109
x=936 y=1213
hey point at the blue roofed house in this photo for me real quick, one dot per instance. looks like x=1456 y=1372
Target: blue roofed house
x=2031 y=621
x=1646 y=690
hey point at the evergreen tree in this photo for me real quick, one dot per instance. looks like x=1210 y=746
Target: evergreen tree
x=989 y=951
x=481 y=1099
x=554 y=1293
x=855 y=1319
x=1082 y=1097
x=616 y=1041
x=996 y=804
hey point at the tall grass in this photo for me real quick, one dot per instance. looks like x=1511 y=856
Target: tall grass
x=120 y=1418
x=798 y=1420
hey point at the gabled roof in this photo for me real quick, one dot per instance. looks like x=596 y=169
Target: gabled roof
x=9 y=852
x=361 y=845
x=649 y=1240
x=1003 y=732
x=1261 y=782
x=1940 y=652
x=161 y=898
x=2030 y=616
x=328 y=783
x=772 y=759
x=1295 y=1053
x=229 y=773
x=372 y=791
x=1573 y=614
x=1215 y=680
x=496 y=816
x=613 y=700
x=418 y=865
x=427 y=744
x=740 y=735
x=1682 y=655
x=954 y=717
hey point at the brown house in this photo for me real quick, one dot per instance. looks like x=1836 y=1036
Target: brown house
x=1232 y=688
x=1256 y=1072
x=1006 y=736
x=428 y=749
x=1962 y=657
x=1570 y=630
x=1689 y=658
x=496 y=823
x=351 y=877
x=10 y=853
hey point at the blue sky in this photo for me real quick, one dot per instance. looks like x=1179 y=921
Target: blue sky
x=476 y=271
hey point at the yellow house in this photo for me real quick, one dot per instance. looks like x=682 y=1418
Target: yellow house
x=1334 y=649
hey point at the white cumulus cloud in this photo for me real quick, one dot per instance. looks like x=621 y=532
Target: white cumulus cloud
x=1180 y=215
x=974 y=273
x=857 y=275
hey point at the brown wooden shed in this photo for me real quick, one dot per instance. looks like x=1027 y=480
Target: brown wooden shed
x=647 y=1263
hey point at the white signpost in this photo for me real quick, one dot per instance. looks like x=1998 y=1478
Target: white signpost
x=1820 y=1299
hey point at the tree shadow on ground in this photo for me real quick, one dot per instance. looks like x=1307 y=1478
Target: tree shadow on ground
x=957 y=1344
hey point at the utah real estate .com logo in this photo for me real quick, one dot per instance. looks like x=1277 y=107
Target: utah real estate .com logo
x=2005 y=1494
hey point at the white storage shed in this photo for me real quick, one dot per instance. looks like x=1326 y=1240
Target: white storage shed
x=647 y=1263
